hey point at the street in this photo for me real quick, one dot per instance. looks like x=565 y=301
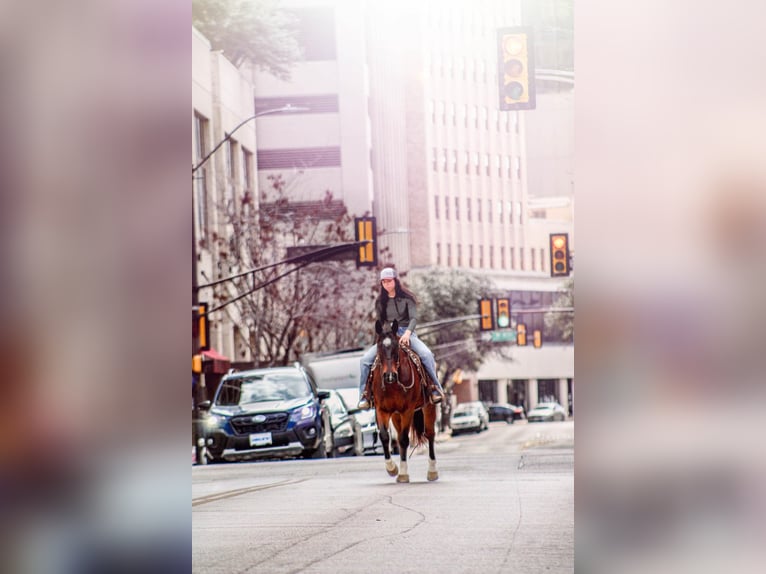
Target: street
x=504 y=502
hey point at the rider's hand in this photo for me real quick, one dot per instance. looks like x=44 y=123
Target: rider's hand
x=405 y=339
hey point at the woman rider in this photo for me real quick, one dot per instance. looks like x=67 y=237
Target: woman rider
x=397 y=303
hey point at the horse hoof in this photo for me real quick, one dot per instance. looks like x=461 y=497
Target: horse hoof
x=403 y=478
x=433 y=475
x=393 y=471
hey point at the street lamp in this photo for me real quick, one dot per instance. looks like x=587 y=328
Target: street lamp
x=284 y=109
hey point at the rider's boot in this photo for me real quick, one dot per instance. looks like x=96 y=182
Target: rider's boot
x=435 y=391
x=364 y=399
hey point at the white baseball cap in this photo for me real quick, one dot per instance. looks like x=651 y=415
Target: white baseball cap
x=388 y=273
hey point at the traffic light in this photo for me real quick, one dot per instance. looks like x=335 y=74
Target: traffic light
x=559 y=248
x=521 y=335
x=486 y=322
x=366 y=230
x=516 y=68
x=537 y=338
x=200 y=329
x=503 y=313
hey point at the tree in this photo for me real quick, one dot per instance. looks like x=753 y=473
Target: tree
x=321 y=306
x=448 y=294
x=255 y=30
x=561 y=324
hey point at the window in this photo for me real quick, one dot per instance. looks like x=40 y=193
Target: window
x=521 y=259
x=457 y=209
x=247 y=169
x=517 y=167
x=446 y=208
x=470 y=255
x=459 y=255
x=503 y=263
x=532 y=259
x=478 y=210
x=486 y=164
x=443 y=159
x=499 y=211
x=438 y=253
x=450 y=110
x=454 y=161
x=449 y=254
x=436 y=206
x=435 y=160
x=513 y=257
x=481 y=256
x=489 y=210
x=200 y=139
x=468 y=208
x=491 y=256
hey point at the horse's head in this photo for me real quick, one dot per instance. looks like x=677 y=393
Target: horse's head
x=388 y=351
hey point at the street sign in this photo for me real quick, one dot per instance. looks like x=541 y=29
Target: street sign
x=502 y=336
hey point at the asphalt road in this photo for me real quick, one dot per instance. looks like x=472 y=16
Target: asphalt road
x=504 y=502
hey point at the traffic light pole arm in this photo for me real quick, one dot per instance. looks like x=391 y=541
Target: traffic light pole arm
x=434 y=325
x=287 y=108
x=311 y=257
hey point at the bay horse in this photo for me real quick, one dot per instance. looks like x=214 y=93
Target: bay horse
x=399 y=384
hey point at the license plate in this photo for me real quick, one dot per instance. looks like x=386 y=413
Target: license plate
x=260 y=439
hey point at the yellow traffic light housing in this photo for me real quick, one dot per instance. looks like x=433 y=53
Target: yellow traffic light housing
x=521 y=335
x=537 y=338
x=200 y=328
x=365 y=229
x=486 y=322
x=559 y=250
x=516 y=69
x=196 y=363
x=503 y=313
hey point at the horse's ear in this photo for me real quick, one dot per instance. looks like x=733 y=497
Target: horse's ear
x=378 y=327
x=395 y=326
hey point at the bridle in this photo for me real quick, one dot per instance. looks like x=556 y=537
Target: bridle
x=391 y=356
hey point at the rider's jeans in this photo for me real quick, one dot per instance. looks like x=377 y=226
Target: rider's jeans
x=425 y=354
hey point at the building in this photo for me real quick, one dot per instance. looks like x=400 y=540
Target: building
x=222 y=98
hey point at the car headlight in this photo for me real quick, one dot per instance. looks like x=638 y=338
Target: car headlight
x=303 y=413
x=214 y=421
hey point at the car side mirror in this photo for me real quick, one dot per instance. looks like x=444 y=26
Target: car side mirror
x=204 y=405
x=323 y=395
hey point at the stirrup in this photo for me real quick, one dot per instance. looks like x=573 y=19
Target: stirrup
x=436 y=396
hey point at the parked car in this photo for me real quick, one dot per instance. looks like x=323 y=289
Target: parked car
x=346 y=435
x=270 y=412
x=547 y=412
x=505 y=412
x=469 y=417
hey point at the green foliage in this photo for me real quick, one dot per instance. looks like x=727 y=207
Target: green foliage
x=448 y=294
x=255 y=30
x=562 y=323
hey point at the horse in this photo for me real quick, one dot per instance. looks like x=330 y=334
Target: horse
x=399 y=392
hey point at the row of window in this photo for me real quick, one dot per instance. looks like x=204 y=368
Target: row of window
x=501 y=210
x=462 y=161
x=238 y=170
x=472 y=116
x=473 y=257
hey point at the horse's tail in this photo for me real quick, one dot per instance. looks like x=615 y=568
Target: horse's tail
x=418 y=434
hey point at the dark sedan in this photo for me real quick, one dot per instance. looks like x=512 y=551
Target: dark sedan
x=505 y=412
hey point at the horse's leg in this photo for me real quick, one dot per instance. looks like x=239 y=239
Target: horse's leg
x=404 y=442
x=429 y=414
x=385 y=438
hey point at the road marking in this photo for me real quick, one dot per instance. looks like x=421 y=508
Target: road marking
x=239 y=491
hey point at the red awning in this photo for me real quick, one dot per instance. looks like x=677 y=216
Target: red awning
x=215 y=362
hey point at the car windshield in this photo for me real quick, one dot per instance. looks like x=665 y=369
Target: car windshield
x=464 y=412
x=262 y=388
